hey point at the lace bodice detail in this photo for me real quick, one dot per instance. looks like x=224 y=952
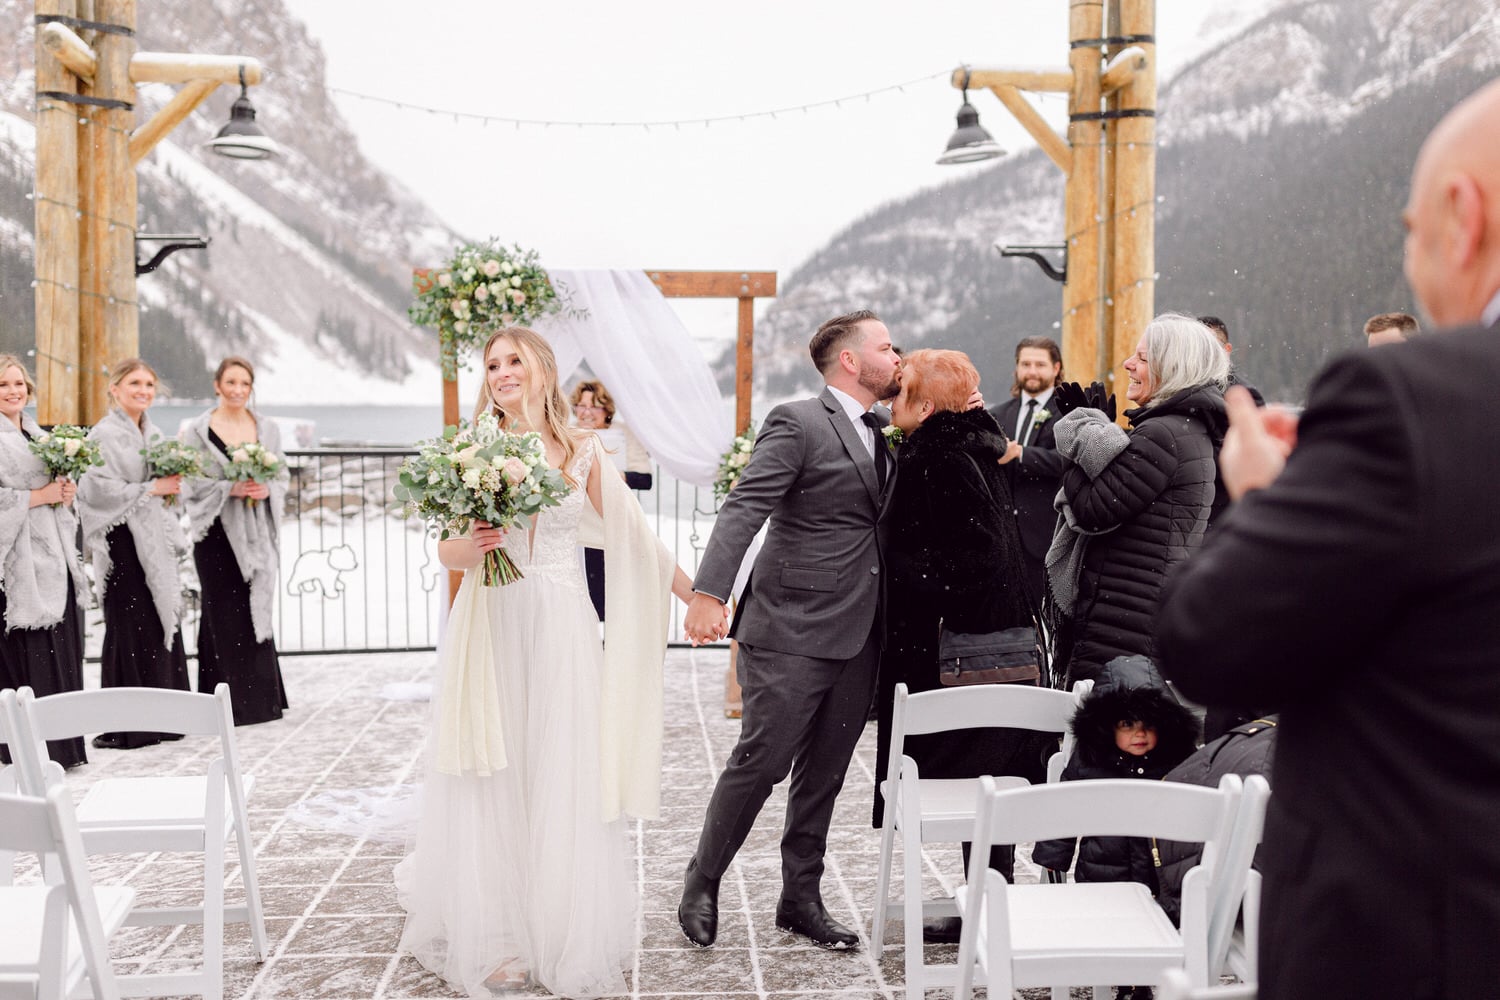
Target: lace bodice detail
x=551 y=551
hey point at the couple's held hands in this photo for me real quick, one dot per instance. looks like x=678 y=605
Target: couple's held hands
x=171 y=485
x=249 y=489
x=58 y=491
x=1257 y=444
x=707 y=619
x=1070 y=396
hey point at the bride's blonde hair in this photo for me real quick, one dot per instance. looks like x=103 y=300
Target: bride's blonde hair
x=541 y=385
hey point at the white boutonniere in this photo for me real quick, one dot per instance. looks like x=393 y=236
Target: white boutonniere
x=1041 y=417
x=893 y=434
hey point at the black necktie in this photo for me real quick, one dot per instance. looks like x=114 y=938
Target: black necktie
x=1026 y=424
x=882 y=453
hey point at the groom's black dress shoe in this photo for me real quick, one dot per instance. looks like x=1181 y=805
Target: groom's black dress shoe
x=698 y=913
x=811 y=920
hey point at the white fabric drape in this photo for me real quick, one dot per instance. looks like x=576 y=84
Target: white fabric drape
x=639 y=348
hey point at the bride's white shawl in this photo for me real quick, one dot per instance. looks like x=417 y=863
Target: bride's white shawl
x=119 y=492
x=639 y=570
x=252 y=531
x=36 y=543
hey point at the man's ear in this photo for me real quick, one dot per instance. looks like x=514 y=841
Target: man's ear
x=849 y=362
x=1465 y=222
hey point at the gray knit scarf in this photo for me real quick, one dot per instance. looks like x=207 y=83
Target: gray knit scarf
x=1090 y=440
x=119 y=492
x=38 y=548
x=252 y=531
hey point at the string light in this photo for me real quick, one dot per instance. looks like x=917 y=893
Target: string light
x=836 y=102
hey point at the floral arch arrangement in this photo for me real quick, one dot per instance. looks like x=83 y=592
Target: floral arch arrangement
x=482 y=288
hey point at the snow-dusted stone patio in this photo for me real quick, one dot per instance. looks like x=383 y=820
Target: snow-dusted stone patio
x=331 y=909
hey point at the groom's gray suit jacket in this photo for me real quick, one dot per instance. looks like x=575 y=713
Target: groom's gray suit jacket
x=817 y=580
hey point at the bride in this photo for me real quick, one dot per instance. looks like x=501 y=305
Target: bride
x=541 y=740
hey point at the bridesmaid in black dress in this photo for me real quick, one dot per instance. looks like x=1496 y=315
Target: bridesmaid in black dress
x=42 y=644
x=135 y=541
x=235 y=548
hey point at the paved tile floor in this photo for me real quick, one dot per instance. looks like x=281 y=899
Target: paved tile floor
x=355 y=729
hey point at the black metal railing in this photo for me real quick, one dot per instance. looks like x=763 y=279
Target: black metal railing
x=356 y=577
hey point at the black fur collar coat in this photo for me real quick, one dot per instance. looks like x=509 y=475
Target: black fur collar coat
x=952 y=555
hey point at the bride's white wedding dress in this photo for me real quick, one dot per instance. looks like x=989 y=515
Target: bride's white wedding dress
x=520 y=864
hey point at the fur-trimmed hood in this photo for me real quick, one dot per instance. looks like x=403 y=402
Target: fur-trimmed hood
x=1130 y=687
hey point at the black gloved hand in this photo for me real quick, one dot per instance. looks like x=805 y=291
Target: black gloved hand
x=1067 y=397
x=1099 y=398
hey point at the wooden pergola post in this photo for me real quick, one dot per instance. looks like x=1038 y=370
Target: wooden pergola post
x=57 y=230
x=1133 y=282
x=87 y=147
x=1109 y=160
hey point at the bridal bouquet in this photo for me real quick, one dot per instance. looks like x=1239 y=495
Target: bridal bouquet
x=66 y=451
x=170 y=457
x=480 y=473
x=733 y=463
x=253 y=461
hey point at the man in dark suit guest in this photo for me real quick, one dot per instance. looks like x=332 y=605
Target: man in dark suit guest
x=808 y=624
x=1355 y=584
x=1221 y=330
x=1390 y=328
x=1031 y=457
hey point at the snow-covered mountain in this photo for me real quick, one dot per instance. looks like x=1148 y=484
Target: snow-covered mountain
x=309 y=268
x=1286 y=151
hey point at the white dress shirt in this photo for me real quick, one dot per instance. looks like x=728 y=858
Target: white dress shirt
x=1042 y=398
x=855 y=411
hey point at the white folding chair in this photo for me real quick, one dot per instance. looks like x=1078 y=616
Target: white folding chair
x=196 y=813
x=53 y=937
x=10 y=774
x=942 y=810
x=1233 y=949
x=1175 y=985
x=1083 y=933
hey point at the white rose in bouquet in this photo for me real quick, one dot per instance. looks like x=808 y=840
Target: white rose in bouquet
x=445 y=280
x=491 y=268
x=507 y=267
x=473 y=478
x=71 y=446
x=515 y=282
x=239 y=455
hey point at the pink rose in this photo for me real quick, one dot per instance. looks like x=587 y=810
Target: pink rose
x=514 y=470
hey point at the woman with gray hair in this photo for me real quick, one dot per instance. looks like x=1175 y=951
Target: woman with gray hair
x=1133 y=504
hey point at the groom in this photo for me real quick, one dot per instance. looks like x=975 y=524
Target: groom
x=808 y=624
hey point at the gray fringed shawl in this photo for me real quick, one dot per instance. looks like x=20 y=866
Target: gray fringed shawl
x=119 y=492
x=252 y=531
x=38 y=549
x=1090 y=440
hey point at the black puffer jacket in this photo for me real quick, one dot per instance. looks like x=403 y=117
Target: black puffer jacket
x=1244 y=750
x=952 y=554
x=1152 y=506
x=1129 y=687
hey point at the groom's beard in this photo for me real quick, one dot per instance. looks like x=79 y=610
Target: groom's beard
x=870 y=380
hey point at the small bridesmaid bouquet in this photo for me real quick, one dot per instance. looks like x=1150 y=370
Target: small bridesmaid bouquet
x=480 y=473
x=253 y=461
x=170 y=457
x=66 y=451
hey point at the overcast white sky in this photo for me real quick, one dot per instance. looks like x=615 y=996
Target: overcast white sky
x=759 y=194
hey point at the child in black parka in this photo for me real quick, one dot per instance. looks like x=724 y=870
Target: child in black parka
x=1129 y=726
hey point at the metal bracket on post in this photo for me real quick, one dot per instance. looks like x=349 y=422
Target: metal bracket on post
x=173 y=242
x=1036 y=252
